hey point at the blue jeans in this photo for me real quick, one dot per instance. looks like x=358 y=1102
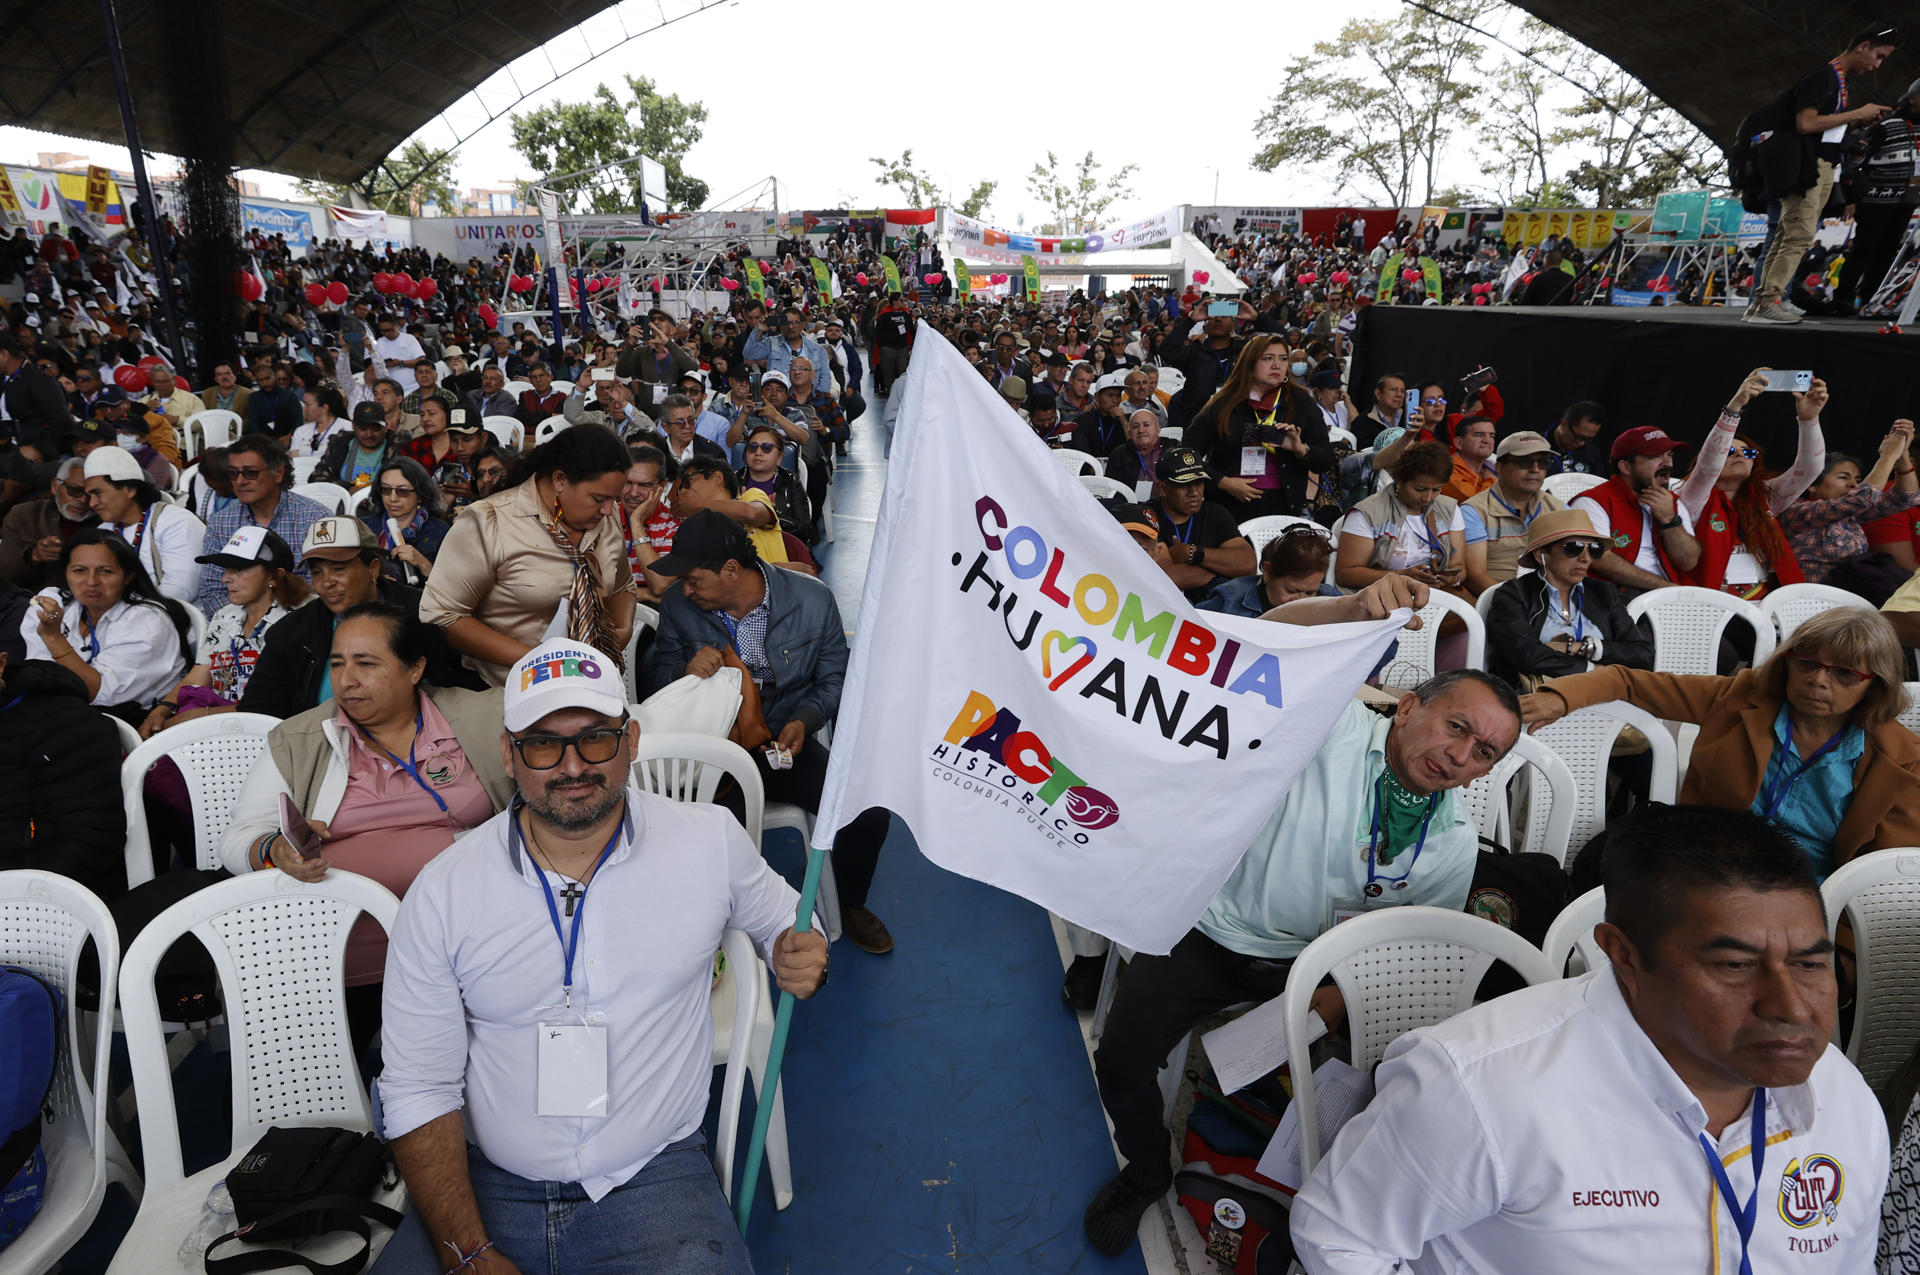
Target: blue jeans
x=669 y=1219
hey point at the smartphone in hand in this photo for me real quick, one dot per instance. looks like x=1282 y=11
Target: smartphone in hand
x=298 y=832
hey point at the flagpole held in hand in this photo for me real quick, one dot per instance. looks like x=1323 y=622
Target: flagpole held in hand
x=777 y=1048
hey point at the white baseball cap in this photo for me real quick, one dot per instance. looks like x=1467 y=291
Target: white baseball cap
x=562 y=674
x=1111 y=381
x=115 y=464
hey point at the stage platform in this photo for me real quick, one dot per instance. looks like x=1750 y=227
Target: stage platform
x=1674 y=367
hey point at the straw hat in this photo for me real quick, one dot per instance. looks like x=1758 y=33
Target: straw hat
x=1561 y=524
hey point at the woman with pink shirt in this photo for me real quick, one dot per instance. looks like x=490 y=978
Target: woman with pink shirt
x=385 y=772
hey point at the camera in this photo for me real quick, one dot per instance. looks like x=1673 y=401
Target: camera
x=451 y=471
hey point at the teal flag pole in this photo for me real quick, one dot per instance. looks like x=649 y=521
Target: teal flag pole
x=777 y=1048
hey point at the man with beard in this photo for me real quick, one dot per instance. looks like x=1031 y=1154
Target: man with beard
x=559 y=1055
x=35 y=531
x=1652 y=538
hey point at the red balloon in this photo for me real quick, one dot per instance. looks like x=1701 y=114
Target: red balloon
x=1340 y=276
x=933 y=280
x=1411 y=275
x=129 y=378
x=731 y=285
x=337 y=292
x=1309 y=277
x=180 y=383
x=1481 y=300
x=861 y=279
x=1201 y=276
x=316 y=294
x=488 y=316
x=383 y=283
x=153 y=360
x=426 y=290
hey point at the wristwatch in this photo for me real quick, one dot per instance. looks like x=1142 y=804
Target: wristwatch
x=1670 y=524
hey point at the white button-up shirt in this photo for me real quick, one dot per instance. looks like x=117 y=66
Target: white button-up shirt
x=474 y=966
x=1544 y=1132
x=137 y=654
x=168 y=538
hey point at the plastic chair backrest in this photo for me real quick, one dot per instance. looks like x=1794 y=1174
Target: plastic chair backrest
x=1568 y=486
x=548 y=428
x=1335 y=531
x=1484 y=603
x=506 y=430
x=516 y=388
x=331 y=496
x=1337 y=435
x=688 y=767
x=129 y=737
x=1791 y=605
x=303 y=467
x=45 y=921
x=278 y=946
x=1413 y=663
x=1549 y=806
x=196 y=624
x=1911 y=717
x=1571 y=934
x=1880 y=891
x=1080 y=462
x=1687 y=624
x=1584 y=741
x=213 y=427
x=1172 y=434
x=215 y=755
x=1400 y=968
x=1260 y=532
x=644 y=618
x=1104 y=488
x=741 y=987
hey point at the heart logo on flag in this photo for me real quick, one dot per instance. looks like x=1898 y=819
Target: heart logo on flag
x=1066 y=644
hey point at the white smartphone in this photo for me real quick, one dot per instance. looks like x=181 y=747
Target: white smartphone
x=603 y=374
x=1781 y=381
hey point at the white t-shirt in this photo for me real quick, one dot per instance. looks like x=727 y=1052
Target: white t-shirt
x=1647 y=559
x=1411 y=548
x=399 y=350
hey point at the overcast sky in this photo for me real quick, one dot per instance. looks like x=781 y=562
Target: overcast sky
x=979 y=93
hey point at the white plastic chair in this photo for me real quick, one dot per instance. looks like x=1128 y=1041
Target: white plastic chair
x=1687 y=624
x=330 y=496
x=1568 y=486
x=1400 y=968
x=278 y=946
x=1333 y=559
x=1337 y=435
x=743 y=1010
x=644 y=618
x=303 y=467
x=173 y=480
x=129 y=737
x=358 y=499
x=1260 y=532
x=1413 y=663
x=45 y=921
x=689 y=767
x=1484 y=603
x=548 y=428
x=1792 y=604
x=196 y=624
x=1584 y=741
x=1880 y=892
x=1911 y=717
x=1551 y=799
x=214 y=427
x=506 y=430
x=1172 y=434
x=1104 y=488
x=215 y=755
x=1570 y=937
x=516 y=388
x=1080 y=462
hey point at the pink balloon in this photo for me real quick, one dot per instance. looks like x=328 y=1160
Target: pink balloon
x=1340 y=276
x=933 y=280
x=860 y=279
x=1481 y=300
x=1309 y=277
x=731 y=285
x=1201 y=276
x=1410 y=275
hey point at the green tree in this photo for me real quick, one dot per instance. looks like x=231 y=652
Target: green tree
x=1075 y=200
x=404 y=182
x=921 y=191
x=1379 y=103
x=568 y=137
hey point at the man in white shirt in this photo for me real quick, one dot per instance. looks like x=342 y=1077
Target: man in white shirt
x=548 y=1062
x=400 y=351
x=1682 y=1109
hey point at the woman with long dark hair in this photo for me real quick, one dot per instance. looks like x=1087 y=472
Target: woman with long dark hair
x=1824 y=527
x=1260 y=435
x=544 y=555
x=1734 y=502
x=108 y=623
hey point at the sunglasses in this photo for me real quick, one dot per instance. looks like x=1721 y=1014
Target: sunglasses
x=246 y=475
x=1433 y=402
x=596 y=747
x=1807 y=666
x=763 y=447
x=1575 y=548
x=1532 y=460
x=78 y=493
x=1751 y=453
x=396 y=491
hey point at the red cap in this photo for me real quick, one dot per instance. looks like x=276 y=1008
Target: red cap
x=1647 y=440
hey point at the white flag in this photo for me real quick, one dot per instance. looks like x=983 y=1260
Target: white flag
x=1040 y=703
x=359 y=223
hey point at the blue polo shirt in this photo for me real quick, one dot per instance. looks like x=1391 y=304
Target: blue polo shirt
x=1810 y=801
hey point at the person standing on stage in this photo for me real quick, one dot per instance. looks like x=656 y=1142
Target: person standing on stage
x=1888 y=190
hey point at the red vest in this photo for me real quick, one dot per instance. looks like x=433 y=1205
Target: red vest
x=1625 y=513
x=1718 y=531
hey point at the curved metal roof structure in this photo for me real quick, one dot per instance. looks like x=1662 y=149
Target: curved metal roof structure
x=329 y=91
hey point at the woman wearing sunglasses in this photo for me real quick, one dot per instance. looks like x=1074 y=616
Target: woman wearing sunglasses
x=1735 y=503
x=1558 y=619
x=384 y=775
x=407 y=498
x=1811 y=739
x=762 y=473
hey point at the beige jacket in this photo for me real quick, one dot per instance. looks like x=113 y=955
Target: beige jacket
x=500 y=565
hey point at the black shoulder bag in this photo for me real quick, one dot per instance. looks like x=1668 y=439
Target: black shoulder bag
x=300 y=1183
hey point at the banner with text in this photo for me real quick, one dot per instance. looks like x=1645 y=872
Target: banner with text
x=295 y=225
x=822 y=278
x=962 y=280
x=978 y=238
x=1038 y=701
x=358 y=223
x=1030 y=273
x=893 y=273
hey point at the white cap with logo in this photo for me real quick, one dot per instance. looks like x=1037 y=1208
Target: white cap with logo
x=562 y=674
x=115 y=464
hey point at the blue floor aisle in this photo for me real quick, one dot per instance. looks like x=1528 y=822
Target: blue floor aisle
x=939 y=1104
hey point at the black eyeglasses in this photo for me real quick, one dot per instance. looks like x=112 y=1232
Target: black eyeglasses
x=596 y=747
x=1532 y=460
x=763 y=447
x=1751 y=453
x=1575 y=548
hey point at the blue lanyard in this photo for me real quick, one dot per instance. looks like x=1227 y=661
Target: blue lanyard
x=1373 y=839
x=1743 y=1215
x=733 y=630
x=1185 y=538
x=1777 y=792
x=1579 y=617
x=1525 y=519
x=570 y=941
x=411 y=766
x=93 y=636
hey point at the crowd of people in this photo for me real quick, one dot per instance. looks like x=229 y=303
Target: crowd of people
x=540 y=519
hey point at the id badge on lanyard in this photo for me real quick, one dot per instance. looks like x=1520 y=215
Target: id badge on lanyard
x=570 y=1052
x=1253 y=462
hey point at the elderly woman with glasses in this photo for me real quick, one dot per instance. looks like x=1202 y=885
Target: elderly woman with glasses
x=1811 y=739
x=1558 y=619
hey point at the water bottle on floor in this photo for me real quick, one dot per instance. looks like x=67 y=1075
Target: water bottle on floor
x=216 y=1219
